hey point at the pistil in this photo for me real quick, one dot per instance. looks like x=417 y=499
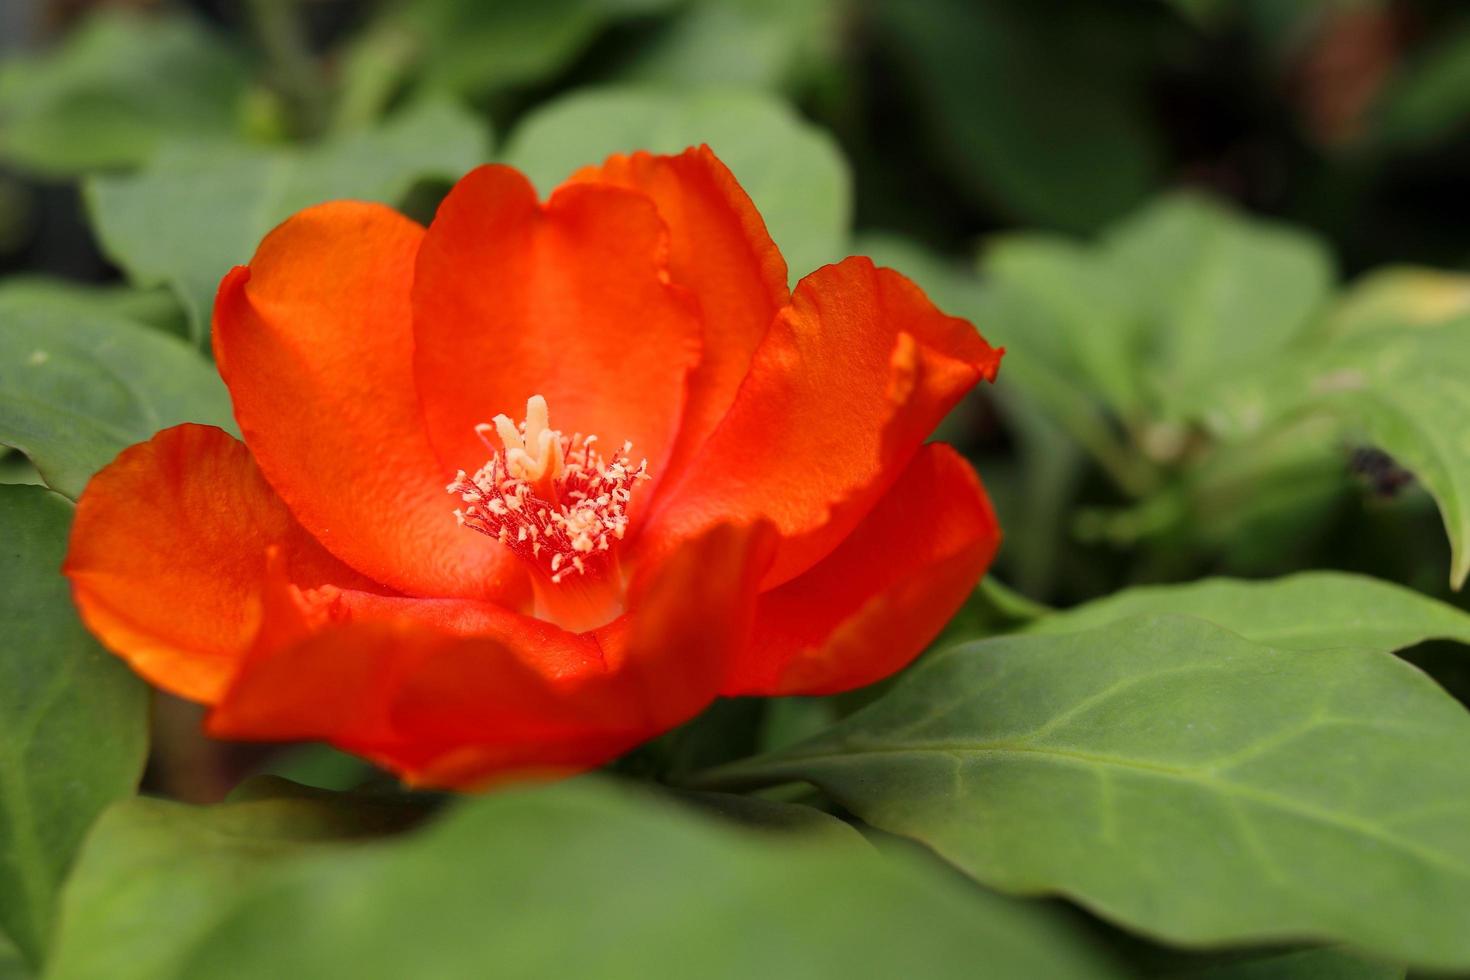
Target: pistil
x=560 y=507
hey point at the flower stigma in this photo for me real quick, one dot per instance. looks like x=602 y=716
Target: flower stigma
x=559 y=506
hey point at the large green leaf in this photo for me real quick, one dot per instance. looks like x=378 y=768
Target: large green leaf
x=77 y=387
x=1215 y=289
x=1401 y=389
x=569 y=880
x=154 y=875
x=1038 y=109
x=1309 y=611
x=73 y=719
x=793 y=172
x=1178 y=779
x=195 y=212
x=119 y=86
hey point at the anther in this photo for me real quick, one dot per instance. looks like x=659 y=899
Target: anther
x=551 y=499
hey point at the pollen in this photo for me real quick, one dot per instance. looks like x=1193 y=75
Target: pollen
x=554 y=500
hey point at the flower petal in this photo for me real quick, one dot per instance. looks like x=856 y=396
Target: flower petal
x=882 y=596
x=569 y=301
x=720 y=251
x=849 y=381
x=544 y=647
x=315 y=340
x=342 y=684
x=691 y=617
x=447 y=709
x=168 y=557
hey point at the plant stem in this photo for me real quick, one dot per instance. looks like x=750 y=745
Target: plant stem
x=295 y=73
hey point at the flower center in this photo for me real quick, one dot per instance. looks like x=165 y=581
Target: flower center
x=560 y=507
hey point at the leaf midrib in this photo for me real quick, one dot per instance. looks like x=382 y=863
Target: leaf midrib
x=1225 y=788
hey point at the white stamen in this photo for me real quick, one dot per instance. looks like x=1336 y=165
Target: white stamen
x=557 y=493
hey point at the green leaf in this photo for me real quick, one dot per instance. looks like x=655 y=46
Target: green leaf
x=787 y=721
x=154 y=307
x=76 y=388
x=1178 y=779
x=1215 y=289
x=1397 y=295
x=320 y=765
x=331 y=814
x=475 y=48
x=154 y=875
x=1429 y=98
x=573 y=880
x=13 y=965
x=1073 y=308
x=1399 y=389
x=1129 y=335
x=73 y=719
x=1040 y=110
x=746 y=43
x=1184 y=290
x=794 y=172
x=1294 y=964
x=150 y=222
x=119 y=87
x=1156 y=962
x=1275 y=32
x=1307 y=611
x=1006 y=604
x=774 y=816
x=15 y=468
x=727 y=730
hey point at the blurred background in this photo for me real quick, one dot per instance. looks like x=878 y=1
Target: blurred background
x=957 y=117
x=1163 y=208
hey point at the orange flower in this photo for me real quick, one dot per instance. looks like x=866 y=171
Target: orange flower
x=760 y=514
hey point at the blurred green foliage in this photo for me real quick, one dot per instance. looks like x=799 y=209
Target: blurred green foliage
x=81 y=386
x=75 y=720
x=470 y=890
x=803 y=192
x=148 y=221
x=120 y=87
